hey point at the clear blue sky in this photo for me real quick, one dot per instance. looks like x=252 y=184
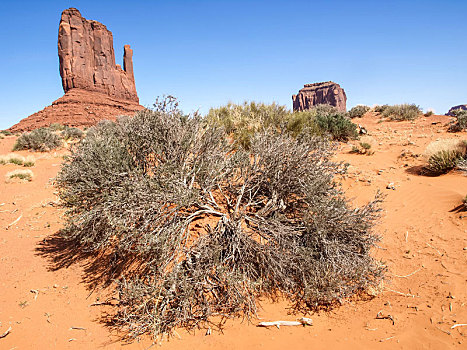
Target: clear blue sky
x=207 y=53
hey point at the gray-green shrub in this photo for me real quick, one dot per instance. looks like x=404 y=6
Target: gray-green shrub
x=358 y=111
x=461 y=121
x=206 y=230
x=42 y=139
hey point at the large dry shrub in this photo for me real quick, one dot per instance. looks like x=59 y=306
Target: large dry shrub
x=209 y=227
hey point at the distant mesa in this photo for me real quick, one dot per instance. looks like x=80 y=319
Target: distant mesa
x=95 y=87
x=456 y=108
x=329 y=93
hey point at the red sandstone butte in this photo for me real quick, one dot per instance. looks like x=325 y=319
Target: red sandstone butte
x=95 y=87
x=329 y=93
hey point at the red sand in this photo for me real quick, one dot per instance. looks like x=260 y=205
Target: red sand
x=423 y=247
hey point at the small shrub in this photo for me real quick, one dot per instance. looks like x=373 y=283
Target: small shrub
x=42 y=139
x=429 y=113
x=195 y=229
x=445 y=155
x=338 y=126
x=72 y=134
x=358 y=111
x=6 y=132
x=12 y=158
x=19 y=174
x=365 y=148
x=461 y=121
x=57 y=127
x=402 y=112
x=380 y=108
x=29 y=161
x=322 y=120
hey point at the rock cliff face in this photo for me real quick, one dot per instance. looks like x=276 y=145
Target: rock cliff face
x=95 y=87
x=456 y=108
x=328 y=93
x=87 y=58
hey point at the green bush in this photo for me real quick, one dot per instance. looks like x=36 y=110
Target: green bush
x=6 y=132
x=358 y=111
x=322 y=120
x=402 y=112
x=461 y=121
x=194 y=228
x=42 y=139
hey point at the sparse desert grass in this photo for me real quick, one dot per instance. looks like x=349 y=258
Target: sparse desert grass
x=362 y=148
x=17 y=159
x=358 y=111
x=444 y=155
x=401 y=112
x=42 y=139
x=243 y=121
x=195 y=228
x=461 y=121
x=6 y=132
x=20 y=174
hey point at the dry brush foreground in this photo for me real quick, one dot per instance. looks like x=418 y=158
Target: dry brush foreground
x=423 y=244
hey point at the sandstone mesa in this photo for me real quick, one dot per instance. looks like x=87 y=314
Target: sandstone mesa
x=95 y=86
x=329 y=93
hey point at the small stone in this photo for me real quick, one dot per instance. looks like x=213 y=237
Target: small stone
x=391 y=186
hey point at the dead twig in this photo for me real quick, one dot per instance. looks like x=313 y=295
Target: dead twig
x=301 y=322
x=6 y=333
x=14 y=222
x=403 y=294
x=380 y=316
x=410 y=274
x=78 y=328
x=459 y=325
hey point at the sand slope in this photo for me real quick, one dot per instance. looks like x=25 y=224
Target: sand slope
x=423 y=243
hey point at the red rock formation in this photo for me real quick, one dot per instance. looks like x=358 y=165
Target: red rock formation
x=320 y=93
x=78 y=108
x=456 y=108
x=95 y=87
x=87 y=58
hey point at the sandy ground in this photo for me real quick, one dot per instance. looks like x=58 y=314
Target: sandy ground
x=424 y=244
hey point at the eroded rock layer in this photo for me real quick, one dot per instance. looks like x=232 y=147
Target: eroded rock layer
x=78 y=108
x=329 y=93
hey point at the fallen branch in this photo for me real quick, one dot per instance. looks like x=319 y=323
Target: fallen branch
x=6 y=333
x=78 y=328
x=405 y=295
x=301 y=322
x=459 y=325
x=14 y=222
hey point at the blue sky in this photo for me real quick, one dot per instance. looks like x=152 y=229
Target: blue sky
x=207 y=53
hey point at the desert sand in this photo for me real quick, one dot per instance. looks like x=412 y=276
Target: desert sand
x=424 y=245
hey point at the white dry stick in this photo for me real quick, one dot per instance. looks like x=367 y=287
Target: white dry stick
x=410 y=274
x=36 y=293
x=459 y=325
x=405 y=295
x=6 y=333
x=301 y=322
x=14 y=222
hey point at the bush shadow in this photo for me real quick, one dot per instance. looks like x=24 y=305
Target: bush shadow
x=99 y=268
